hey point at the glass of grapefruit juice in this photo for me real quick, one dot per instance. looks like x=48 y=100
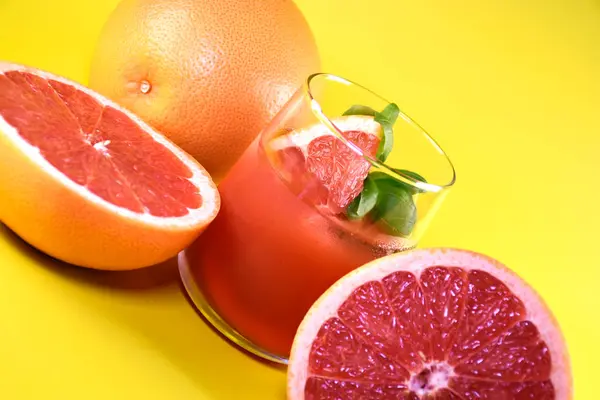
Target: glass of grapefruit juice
x=338 y=178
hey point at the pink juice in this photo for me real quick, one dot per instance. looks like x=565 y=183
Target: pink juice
x=269 y=255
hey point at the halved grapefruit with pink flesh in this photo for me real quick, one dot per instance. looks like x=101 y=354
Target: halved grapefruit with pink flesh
x=88 y=182
x=437 y=324
x=324 y=168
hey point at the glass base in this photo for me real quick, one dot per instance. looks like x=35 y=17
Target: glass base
x=215 y=319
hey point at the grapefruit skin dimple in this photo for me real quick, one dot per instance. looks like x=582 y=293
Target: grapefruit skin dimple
x=209 y=74
x=431 y=324
x=89 y=183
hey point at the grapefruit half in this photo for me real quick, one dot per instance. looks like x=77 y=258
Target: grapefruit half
x=88 y=182
x=430 y=324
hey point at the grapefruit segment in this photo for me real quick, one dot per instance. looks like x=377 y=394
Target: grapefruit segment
x=325 y=169
x=519 y=355
x=429 y=324
x=491 y=308
x=355 y=360
x=491 y=390
x=406 y=299
x=90 y=183
x=335 y=389
x=368 y=312
x=444 y=296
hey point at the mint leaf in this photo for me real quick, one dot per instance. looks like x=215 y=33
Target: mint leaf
x=365 y=201
x=387 y=119
x=357 y=109
x=413 y=175
x=378 y=175
x=389 y=113
x=395 y=211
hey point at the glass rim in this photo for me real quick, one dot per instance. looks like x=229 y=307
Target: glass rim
x=405 y=178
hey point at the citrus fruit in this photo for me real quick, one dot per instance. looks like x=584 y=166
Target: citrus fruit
x=328 y=169
x=328 y=172
x=209 y=74
x=430 y=324
x=88 y=182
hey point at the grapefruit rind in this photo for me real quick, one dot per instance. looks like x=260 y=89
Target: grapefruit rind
x=200 y=178
x=416 y=261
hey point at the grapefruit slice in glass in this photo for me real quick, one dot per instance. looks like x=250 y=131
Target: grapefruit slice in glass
x=324 y=168
x=329 y=173
x=430 y=324
x=88 y=182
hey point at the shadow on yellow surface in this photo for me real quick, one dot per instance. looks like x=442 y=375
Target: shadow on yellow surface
x=186 y=349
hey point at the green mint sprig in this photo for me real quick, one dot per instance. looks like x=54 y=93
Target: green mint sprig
x=385 y=200
x=388 y=202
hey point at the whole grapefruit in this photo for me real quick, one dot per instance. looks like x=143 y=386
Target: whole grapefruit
x=209 y=74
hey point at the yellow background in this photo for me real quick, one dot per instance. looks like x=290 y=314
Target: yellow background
x=510 y=88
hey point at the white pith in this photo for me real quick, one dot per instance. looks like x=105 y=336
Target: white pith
x=301 y=138
x=416 y=261
x=200 y=177
x=438 y=380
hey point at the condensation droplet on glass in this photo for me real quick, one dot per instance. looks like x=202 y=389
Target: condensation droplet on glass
x=145 y=87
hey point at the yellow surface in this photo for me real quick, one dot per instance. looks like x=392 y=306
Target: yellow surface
x=510 y=88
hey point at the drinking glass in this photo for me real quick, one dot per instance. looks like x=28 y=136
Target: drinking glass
x=338 y=178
